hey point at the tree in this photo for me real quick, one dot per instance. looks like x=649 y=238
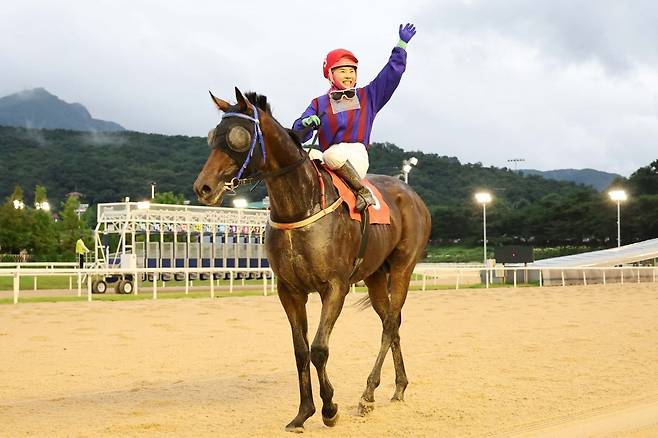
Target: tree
x=644 y=181
x=70 y=227
x=40 y=194
x=17 y=194
x=16 y=198
x=168 y=198
x=41 y=198
x=44 y=240
x=454 y=223
x=15 y=228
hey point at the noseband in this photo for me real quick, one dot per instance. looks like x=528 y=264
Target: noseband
x=260 y=139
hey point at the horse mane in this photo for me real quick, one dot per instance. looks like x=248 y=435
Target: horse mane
x=261 y=102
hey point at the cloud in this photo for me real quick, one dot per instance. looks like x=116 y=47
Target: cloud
x=562 y=84
x=619 y=35
x=104 y=139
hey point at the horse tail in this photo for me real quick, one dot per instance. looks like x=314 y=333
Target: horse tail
x=363 y=303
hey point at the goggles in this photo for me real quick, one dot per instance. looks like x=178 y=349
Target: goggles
x=347 y=94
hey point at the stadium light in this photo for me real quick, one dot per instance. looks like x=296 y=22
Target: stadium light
x=618 y=196
x=45 y=205
x=407 y=165
x=18 y=204
x=240 y=203
x=484 y=198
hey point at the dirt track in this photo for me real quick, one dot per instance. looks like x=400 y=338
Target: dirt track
x=575 y=361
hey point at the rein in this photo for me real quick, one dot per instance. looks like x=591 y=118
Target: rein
x=259 y=176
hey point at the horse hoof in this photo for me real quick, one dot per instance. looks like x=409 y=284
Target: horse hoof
x=397 y=399
x=331 y=422
x=294 y=429
x=365 y=407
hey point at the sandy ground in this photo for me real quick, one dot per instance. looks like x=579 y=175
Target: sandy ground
x=574 y=361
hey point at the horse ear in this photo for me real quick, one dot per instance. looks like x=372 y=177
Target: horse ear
x=243 y=102
x=221 y=104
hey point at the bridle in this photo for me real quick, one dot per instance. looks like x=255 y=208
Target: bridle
x=258 y=137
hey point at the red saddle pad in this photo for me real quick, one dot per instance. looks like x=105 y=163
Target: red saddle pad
x=379 y=213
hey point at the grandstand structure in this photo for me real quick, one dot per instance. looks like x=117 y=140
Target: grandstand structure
x=642 y=253
x=144 y=235
x=557 y=270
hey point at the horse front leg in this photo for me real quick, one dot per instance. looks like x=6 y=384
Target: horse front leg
x=332 y=304
x=294 y=303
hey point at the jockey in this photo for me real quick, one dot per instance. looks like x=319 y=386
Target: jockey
x=345 y=114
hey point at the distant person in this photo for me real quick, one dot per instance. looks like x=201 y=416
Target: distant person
x=81 y=249
x=344 y=115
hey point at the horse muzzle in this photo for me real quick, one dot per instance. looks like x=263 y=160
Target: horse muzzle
x=209 y=193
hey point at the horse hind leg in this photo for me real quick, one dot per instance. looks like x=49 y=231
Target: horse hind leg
x=399 y=287
x=378 y=292
x=401 y=380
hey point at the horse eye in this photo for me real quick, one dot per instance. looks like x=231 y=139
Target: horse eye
x=238 y=138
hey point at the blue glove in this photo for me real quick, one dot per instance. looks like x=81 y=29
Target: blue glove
x=407 y=32
x=311 y=120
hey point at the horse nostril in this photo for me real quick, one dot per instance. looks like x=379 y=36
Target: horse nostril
x=205 y=190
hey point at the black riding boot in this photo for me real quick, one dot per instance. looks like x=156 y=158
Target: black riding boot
x=351 y=176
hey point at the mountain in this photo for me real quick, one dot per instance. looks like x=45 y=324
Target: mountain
x=108 y=166
x=38 y=108
x=594 y=178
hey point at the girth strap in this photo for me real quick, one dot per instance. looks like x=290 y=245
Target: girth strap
x=365 y=232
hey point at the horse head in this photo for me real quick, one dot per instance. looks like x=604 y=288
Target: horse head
x=237 y=148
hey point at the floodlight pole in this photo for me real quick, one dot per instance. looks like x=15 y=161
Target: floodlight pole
x=618 y=224
x=484 y=243
x=484 y=232
x=483 y=198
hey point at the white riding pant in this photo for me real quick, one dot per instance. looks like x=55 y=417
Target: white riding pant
x=335 y=156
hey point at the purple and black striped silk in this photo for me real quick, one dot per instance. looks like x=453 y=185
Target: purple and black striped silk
x=354 y=126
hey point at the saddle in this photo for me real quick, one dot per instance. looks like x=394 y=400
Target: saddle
x=377 y=214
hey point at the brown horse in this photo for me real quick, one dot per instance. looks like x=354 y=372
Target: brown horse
x=318 y=255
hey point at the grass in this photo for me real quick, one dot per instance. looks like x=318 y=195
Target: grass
x=465 y=254
x=454 y=254
x=43 y=282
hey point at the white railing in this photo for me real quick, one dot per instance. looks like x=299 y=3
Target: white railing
x=431 y=274
x=543 y=276
x=86 y=276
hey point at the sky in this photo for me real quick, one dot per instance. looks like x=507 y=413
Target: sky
x=559 y=84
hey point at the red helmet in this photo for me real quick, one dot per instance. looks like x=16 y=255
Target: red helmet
x=337 y=58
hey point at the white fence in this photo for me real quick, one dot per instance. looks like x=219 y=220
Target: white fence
x=543 y=276
x=430 y=275
x=83 y=277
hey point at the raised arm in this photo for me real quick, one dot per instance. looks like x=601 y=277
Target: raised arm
x=388 y=79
